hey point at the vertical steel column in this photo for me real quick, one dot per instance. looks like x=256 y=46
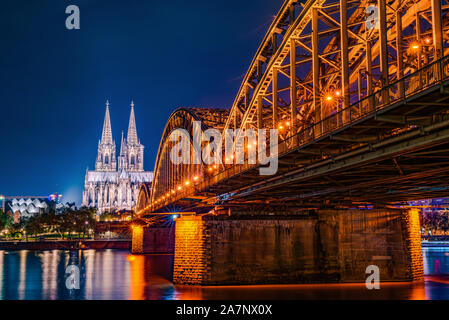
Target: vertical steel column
x=170 y=174
x=316 y=73
x=247 y=101
x=165 y=174
x=274 y=45
x=369 y=75
x=292 y=13
x=383 y=48
x=293 y=103
x=437 y=28
x=259 y=70
x=418 y=39
x=259 y=112
x=344 y=58
x=359 y=86
x=399 y=48
x=275 y=97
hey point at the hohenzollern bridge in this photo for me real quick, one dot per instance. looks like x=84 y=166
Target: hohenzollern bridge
x=359 y=94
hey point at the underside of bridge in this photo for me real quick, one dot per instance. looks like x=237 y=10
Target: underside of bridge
x=359 y=94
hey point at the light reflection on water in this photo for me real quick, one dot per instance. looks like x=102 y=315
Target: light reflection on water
x=105 y=274
x=117 y=275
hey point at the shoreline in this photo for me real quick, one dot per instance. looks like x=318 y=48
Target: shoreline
x=65 y=245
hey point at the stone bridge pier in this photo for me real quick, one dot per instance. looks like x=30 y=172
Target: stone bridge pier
x=326 y=246
x=153 y=239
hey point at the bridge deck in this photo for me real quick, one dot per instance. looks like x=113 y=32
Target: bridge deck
x=372 y=157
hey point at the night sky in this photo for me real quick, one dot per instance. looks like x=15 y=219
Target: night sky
x=162 y=54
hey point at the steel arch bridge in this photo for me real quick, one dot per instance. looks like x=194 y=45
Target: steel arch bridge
x=168 y=176
x=337 y=78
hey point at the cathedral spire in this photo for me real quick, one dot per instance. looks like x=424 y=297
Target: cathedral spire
x=106 y=136
x=122 y=146
x=132 y=131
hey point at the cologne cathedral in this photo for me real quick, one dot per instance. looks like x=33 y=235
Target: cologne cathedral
x=114 y=184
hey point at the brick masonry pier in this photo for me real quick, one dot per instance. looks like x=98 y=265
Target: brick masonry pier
x=328 y=246
x=153 y=239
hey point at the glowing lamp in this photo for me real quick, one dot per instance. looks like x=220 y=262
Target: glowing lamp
x=287 y=123
x=195 y=178
x=329 y=98
x=179 y=187
x=187 y=183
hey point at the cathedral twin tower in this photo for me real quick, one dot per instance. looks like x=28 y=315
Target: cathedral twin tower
x=109 y=188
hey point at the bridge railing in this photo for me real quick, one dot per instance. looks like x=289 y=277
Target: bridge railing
x=430 y=75
x=413 y=83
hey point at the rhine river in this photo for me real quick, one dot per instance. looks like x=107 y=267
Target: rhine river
x=116 y=274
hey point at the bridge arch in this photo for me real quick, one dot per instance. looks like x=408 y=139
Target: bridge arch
x=168 y=176
x=143 y=197
x=319 y=68
x=336 y=61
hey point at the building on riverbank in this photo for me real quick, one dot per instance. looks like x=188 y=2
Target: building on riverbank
x=114 y=184
x=25 y=207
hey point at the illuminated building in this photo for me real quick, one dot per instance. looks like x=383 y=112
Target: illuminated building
x=26 y=207
x=114 y=185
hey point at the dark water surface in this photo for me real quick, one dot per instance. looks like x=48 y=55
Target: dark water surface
x=116 y=274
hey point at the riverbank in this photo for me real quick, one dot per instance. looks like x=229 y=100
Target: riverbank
x=65 y=245
x=435 y=241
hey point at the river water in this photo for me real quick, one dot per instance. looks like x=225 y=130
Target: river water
x=116 y=274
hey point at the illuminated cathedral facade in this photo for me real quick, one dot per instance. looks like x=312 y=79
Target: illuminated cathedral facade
x=114 y=184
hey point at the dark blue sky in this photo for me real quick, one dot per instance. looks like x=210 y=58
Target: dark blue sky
x=54 y=81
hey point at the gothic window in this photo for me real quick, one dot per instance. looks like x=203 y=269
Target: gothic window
x=106 y=159
x=132 y=160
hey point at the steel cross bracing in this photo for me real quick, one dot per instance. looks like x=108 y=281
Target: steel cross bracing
x=322 y=66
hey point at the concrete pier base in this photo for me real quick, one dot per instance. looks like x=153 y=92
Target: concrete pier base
x=331 y=246
x=153 y=239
